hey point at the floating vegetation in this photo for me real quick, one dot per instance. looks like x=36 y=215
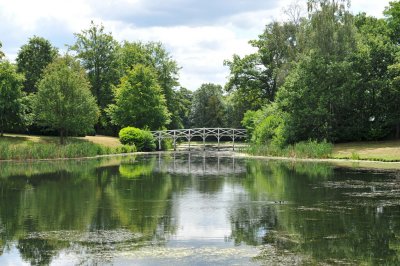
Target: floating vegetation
x=93 y=237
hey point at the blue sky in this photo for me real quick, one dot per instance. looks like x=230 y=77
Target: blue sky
x=199 y=34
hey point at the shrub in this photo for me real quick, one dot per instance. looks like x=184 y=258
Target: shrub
x=142 y=139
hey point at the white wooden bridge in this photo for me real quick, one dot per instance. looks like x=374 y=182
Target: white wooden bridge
x=203 y=133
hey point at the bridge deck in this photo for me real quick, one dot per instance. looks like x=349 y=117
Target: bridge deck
x=203 y=133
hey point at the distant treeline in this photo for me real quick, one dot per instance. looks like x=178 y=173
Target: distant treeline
x=325 y=75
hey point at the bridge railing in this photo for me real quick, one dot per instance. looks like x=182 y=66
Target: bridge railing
x=188 y=134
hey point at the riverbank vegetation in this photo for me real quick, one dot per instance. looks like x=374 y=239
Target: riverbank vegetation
x=33 y=148
x=323 y=75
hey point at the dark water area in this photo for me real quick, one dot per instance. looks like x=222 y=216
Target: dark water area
x=197 y=209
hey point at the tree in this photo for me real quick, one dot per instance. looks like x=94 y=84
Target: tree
x=255 y=78
x=183 y=100
x=154 y=55
x=32 y=59
x=139 y=101
x=64 y=101
x=392 y=14
x=208 y=107
x=98 y=52
x=1 y=52
x=12 y=107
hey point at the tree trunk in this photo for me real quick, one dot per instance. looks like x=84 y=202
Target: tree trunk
x=62 y=136
x=1 y=132
x=397 y=130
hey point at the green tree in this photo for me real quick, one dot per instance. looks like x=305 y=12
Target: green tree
x=1 y=52
x=139 y=101
x=154 y=55
x=392 y=14
x=183 y=100
x=64 y=101
x=255 y=78
x=208 y=107
x=12 y=107
x=98 y=52
x=32 y=59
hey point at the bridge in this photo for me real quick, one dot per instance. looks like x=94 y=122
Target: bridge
x=203 y=133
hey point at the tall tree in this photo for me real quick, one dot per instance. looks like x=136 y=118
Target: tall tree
x=208 y=107
x=392 y=14
x=154 y=55
x=183 y=99
x=12 y=108
x=255 y=78
x=98 y=52
x=32 y=59
x=64 y=101
x=139 y=101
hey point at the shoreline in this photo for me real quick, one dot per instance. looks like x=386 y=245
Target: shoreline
x=364 y=164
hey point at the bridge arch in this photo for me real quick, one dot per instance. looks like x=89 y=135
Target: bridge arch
x=188 y=134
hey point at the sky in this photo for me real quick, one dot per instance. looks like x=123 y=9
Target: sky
x=199 y=34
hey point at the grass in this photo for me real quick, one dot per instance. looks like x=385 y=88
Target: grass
x=305 y=149
x=380 y=151
x=385 y=151
x=23 y=147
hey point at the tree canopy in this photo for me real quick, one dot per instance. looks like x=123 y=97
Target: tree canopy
x=139 y=100
x=12 y=104
x=32 y=59
x=64 y=101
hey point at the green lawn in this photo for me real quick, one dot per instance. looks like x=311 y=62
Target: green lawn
x=26 y=147
x=373 y=150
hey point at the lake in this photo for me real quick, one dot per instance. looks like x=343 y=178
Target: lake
x=197 y=209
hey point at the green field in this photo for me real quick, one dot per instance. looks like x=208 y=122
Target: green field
x=388 y=151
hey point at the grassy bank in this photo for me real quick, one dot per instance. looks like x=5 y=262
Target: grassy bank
x=21 y=147
x=383 y=151
x=307 y=149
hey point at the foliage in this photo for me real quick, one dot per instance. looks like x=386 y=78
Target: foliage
x=142 y=139
x=13 y=104
x=1 y=52
x=392 y=14
x=64 y=101
x=154 y=55
x=208 y=107
x=32 y=59
x=139 y=101
x=10 y=149
x=98 y=52
x=304 y=149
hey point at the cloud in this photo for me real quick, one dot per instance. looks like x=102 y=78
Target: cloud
x=200 y=35
x=143 y=13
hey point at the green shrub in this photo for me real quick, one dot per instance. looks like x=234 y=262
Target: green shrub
x=355 y=155
x=126 y=149
x=142 y=139
x=167 y=144
x=313 y=149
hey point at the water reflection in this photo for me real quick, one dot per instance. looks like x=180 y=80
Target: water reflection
x=144 y=208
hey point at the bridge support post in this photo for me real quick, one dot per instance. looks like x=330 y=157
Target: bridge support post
x=159 y=140
x=174 y=140
x=204 y=139
x=233 y=138
x=190 y=136
x=218 y=137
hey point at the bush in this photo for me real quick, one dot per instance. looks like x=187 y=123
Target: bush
x=126 y=148
x=142 y=139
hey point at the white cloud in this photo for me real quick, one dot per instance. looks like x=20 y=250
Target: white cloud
x=199 y=35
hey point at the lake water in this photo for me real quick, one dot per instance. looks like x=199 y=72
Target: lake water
x=197 y=209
